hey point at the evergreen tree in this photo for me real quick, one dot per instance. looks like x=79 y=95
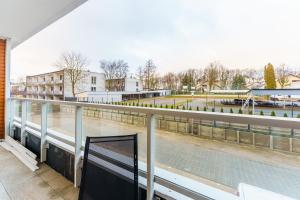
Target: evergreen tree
x=269 y=76
x=250 y=112
x=204 y=109
x=273 y=114
x=240 y=111
x=183 y=107
x=231 y=110
x=261 y=112
x=197 y=108
x=190 y=108
x=238 y=82
x=222 y=110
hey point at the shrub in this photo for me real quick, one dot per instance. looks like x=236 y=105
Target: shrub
x=172 y=107
x=133 y=103
x=285 y=115
x=177 y=107
x=240 y=111
x=204 y=109
x=137 y=104
x=298 y=116
x=197 y=108
x=166 y=106
x=273 y=114
x=222 y=110
x=261 y=112
x=146 y=105
x=213 y=110
x=190 y=108
x=250 y=112
x=150 y=105
x=155 y=106
x=183 y=107
x=142 y=105
x=161 y=106
x=231 y=110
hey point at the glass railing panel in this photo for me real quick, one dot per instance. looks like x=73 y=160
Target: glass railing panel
x=104 y=122
x=61 y=118
x=17 y=108
x=34 y=112
x=225 y=154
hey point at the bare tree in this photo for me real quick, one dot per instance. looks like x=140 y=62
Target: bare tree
x=140 y=74
x=150 y=75
x=211 y=74
x=74 y=65
x=116 y=69
x=224 y=76
x=169 y=81
x=282 y=75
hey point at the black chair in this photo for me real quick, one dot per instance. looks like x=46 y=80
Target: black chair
x=110 y=168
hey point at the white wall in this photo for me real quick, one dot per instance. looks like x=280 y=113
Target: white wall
x=101 y=97
x=85 y=84
x=130 y=85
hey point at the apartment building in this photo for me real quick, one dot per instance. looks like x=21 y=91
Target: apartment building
x=57 y=85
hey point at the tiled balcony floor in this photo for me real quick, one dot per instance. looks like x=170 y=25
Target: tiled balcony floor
x=17 y=182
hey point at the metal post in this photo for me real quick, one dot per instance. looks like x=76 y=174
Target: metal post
x=150 y=155
x=44 y=125
x=78 y=144
x=23 y=122
x=253 y=109
x=11 y=118
x=292 y=109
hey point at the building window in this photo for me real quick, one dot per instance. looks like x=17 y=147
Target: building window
x=52 y=78
x=93 y=89
x=61 y=77
x=44 y=79
x=93 y=79
x=52 y=89
x=60 y=88
x=137 y=84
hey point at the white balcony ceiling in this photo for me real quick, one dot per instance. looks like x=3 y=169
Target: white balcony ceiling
x=21 y=19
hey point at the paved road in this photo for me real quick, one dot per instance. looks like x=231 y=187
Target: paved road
x=222 y=163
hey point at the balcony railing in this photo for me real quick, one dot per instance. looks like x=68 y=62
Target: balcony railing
x=159 y=171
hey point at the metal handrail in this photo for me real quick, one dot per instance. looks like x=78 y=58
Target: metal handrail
x=282 y=122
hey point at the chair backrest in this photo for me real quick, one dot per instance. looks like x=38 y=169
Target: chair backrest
x=110 y=168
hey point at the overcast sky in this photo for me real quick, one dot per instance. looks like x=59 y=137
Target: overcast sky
x=176 y=34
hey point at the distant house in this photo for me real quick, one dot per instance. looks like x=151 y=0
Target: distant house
x=293 y=81
x=18 y=89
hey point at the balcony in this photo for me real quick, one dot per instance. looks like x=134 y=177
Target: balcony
x=18 y=182
x=186 y=154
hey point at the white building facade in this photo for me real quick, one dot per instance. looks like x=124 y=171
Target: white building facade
x=57 y=85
